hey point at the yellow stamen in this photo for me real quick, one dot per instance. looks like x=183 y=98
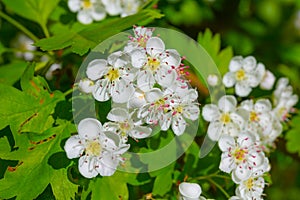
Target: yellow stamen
x=225 y=118
x=240 y=75
x=112 y=74
x=93 y=148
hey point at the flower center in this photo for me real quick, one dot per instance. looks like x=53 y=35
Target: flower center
x=153 y=63
x=93 y=148
x=142 y=41
x=253 y=116
x=124 y=126
x=225 y=118
x=239 y=154
x=240 y=75
x=249 y=183
x=112 y=74
x=86 y=4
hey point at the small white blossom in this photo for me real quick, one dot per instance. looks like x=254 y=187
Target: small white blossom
x=240 y=156
x=124 y=125
x=86 y=86
x=87 y=10
x=244 y=74
x=24 y=46
x=99 y=150
x=51 y=71
x=129 y=7
x=112 y=7
x=261 y=121
x=113 y=78
x=190 y=191
x=225 y=119
x=284 y=99
x=140 y=38
x=212 y=80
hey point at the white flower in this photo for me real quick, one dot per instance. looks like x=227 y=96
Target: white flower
x=190 y=191
x=245 y=74
x=224 y=119
x=157 y=110
x=124 y=125
x=253 y=187
x=129 y=7
x=261 y=121
x=268 y=81
x=25 y=47
x=212 y=80
x=88 y=10
x=99 y=150
x=183 y=106
x=114 y=78
x=51 y=71
x=86 y=86
x=241 y=156
x=156 y=64
x=140 y=38
x=284 y=99
x=112 y=7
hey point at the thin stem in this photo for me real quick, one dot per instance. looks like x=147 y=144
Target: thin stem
x=219 y=187
x=45 y=30
x=66 y=93
x=214 y=175
x=19 y=26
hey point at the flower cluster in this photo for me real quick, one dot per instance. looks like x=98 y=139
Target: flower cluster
x=96 y=10
x=246 y=130
x=147 y=86
x=190 y=191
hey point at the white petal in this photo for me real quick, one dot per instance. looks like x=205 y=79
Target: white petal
x=247 y=105
x=86 y=86
x=98 y=13
x=110 y=141
x=226 y=142
x=84 y=17
x=137 y=100
x=73 y=147
x=155 y=46
x=227 y=163
x=268 y=81
x=239 y=117
x=227 y=103
x=89 y=128
x=242 y=89
x=178 y=125
x=74 y=5
x=252 y=80
x=138 y=58
x=118 y=115
x=241 y=173
x=245 y=140
x=165 y=77
x=122 y=91
x=165 y=122
x=140 y=132
x=256 y=159
x=154 y=95
x=101 y=91
x=292 y=101
x=210 y=112
x=214 y=131
x=85 y=167
x=145 y=80
x=171 y=58
x=229 y=79
x=191 y=112
x=249 y=63
x=104 y=170
x=190 y=190
x=96 y=69
x=235 y=63
x=260 y=71
x=112 y=7
x=263 y=105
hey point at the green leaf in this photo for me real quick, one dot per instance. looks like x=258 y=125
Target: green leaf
x=33 y=173
x=11 y=72
x=35 y=10
x=163 y=181
x=291 y=54
x=28 y=110
x=83 y=40
x=293 y=137
x=212 y=44
x=109 y=187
